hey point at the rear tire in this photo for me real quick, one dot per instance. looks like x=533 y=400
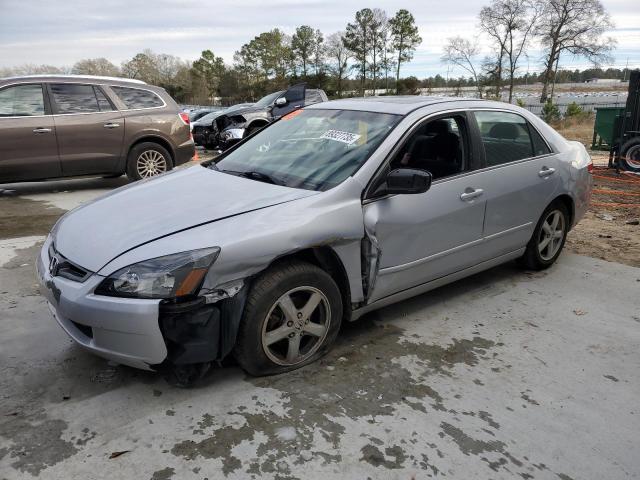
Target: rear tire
x=548 y=238
x=146 y=160
x=291 y=318
x=630 y=155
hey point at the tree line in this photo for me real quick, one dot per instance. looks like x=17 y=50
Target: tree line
x=368 y=55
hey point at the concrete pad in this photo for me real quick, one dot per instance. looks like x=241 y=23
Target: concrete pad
x=505 y=374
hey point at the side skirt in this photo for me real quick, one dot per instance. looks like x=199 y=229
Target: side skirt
x=438 y=282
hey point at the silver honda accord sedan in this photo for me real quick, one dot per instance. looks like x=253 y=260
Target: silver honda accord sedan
x=330 y=212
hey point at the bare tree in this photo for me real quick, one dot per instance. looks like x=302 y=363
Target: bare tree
x=575 y=27
x=387 y=59
x=379 y=25
x=462 y=53
x=509 y=24
x=338 y=56
x=96 y=66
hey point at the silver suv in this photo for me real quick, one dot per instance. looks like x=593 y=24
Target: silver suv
x=67 y=125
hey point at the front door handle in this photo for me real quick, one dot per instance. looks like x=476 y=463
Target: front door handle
x=111 y=125
x=470 y=194
x=546 y=172
x=41 y=130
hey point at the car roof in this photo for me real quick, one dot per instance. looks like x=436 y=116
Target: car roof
x=79 y=78
x=396 y=104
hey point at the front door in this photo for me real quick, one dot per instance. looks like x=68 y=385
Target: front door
x=422 y=237
x=28 y=149
x=90 y=130
x=294 y=97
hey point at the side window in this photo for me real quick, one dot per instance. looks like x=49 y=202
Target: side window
x=439 y=146
x=74 y=98
x=505 y=137
x=540 y=147
x=103 y=101
x=21 y=101
x=312 y=96
x=135 y=98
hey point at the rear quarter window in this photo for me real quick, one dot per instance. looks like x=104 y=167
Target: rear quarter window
x=135 y=98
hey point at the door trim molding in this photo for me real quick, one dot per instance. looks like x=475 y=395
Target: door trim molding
x=435 y=256
x=438 y=282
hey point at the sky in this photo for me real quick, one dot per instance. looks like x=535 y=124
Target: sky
x=61 y=32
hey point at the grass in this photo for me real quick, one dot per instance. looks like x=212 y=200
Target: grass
x=579 y=127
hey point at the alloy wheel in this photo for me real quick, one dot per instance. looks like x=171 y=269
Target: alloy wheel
x=151 y=163
x=296 y=326
x=551 y=235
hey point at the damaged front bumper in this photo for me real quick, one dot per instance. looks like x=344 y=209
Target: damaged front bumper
x=230 y=136
x=141 y=333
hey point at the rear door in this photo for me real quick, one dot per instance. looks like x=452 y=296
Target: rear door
x=521 y=178
x=28 y=149
x=90 y=129
x=295 y=99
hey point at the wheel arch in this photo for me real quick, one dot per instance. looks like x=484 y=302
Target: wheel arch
x=258 y=122
x=327 y=259
x=568 y=202
x=154 y=139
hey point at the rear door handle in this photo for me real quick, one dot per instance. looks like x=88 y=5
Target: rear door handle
x=111 y=125
x=470 y=194
x=546 y=172
x=41 y=130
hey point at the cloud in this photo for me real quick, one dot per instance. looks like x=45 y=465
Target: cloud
x=60 y=33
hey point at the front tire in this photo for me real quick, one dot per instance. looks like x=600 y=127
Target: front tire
x=291 y=318
x=146 y=160
x=548 y=238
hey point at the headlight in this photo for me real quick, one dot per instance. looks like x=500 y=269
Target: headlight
x=173 y=276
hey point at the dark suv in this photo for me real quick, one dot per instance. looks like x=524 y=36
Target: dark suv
x=64 y=126
x=236 y=124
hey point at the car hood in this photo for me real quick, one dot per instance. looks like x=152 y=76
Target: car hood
x=207 y=123
x=245 y=110
x=96 y=233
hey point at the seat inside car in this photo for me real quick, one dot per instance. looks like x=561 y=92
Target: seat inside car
x=503 y=144
x=436 y=149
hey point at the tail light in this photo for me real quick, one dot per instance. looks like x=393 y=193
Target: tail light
x=184 y=117
x=590 y=167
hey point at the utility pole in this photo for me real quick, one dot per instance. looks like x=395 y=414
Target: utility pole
x=626 y=69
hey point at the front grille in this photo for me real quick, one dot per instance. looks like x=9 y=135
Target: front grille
x=60 y=266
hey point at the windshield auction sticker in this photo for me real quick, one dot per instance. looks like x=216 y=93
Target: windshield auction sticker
x=339 y=136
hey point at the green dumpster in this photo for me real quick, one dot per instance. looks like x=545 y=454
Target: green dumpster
x=603 y=127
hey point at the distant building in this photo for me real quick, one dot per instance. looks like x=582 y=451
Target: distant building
x=603 y=81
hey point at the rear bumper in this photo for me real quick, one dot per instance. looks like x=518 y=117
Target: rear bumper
x=185 y=152
x=582 y=197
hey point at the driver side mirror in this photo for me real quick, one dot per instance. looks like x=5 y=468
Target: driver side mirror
x=281 y=102
x=407 y=181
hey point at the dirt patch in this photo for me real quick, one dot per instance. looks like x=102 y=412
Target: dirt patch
x=610 y=229
x=332 y=392
x=21 y=217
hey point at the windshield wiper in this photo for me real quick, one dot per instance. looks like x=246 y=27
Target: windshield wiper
x=255 y=175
